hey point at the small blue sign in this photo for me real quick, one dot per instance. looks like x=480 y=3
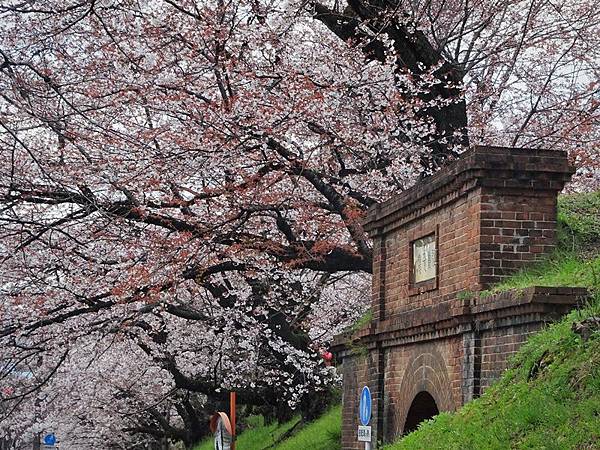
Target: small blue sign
x=364 y=406
x=50 y=439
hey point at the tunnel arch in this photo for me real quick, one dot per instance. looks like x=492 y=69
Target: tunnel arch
x=423 y=407
x=425 y=370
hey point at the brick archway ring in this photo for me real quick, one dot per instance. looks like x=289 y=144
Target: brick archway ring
x=425 y=372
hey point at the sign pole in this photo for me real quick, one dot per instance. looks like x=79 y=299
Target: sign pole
x=232 y=400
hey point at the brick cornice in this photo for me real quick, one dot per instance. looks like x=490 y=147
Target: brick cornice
x=497 y=167
x=503 y=309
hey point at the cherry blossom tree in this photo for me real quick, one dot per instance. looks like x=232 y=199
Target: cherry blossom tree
x=182 y=184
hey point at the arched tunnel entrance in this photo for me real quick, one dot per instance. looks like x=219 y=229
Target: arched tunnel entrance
x=423 y=407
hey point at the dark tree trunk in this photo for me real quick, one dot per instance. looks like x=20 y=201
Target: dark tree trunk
x=415 y=56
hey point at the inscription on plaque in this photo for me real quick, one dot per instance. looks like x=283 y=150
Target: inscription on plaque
x=424 y=259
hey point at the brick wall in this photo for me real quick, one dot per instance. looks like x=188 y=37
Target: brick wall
x=517 y=227
x=453 y=360
x=503 y=322
x=497 y=347
x=493 y=211
x=410 y=369
x=458 y=270
x=355 y=371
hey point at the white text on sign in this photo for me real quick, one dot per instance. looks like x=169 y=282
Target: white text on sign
x=364 y=433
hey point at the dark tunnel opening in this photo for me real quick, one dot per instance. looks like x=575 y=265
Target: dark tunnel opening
x=423 y=407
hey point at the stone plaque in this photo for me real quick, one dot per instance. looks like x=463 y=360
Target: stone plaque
x=424 y=259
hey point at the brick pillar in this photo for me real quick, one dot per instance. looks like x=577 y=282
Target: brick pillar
x=517 y=227
x=379 y=279
x=376 y=384
x=471 y=365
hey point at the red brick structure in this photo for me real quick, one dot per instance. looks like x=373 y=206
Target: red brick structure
x=434 y=343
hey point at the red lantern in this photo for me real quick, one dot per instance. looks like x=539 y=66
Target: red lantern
x=327 y=357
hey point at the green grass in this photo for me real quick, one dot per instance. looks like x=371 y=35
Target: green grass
x=549 y=399
x=322 y=434
x=257 y=436
x=562 y=269
x=579 y=216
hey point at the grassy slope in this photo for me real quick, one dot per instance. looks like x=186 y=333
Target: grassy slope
x=550 y=398
x=257 y=436
x=322 y=434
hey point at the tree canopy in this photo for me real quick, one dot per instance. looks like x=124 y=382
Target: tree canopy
x=182 y=184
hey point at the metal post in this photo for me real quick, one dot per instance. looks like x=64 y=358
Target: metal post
x=37 y=441
x=232 y=400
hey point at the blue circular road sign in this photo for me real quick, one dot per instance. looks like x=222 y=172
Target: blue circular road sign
x=50 y=439
x=364 y=406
